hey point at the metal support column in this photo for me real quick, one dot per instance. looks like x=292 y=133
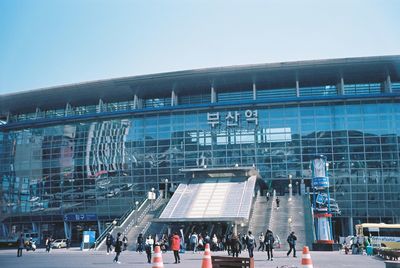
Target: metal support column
x=340 y=87
x=254 y=91
x=213 y=95
x=67 y=229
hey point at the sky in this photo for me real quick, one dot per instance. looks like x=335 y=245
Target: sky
x=46 y=43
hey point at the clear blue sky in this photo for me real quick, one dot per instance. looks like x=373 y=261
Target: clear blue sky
x=54 y=42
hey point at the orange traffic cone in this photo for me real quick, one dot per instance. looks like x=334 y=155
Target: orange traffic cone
x=157 y=258
x=206 y=263
x=306 y=261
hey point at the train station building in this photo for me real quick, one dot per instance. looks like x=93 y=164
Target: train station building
x=80 y=156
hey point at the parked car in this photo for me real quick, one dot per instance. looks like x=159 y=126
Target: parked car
x=59 y=243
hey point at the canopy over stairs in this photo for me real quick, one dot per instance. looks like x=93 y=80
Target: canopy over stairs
x=213 y=195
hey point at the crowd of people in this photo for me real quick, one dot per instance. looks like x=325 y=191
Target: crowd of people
x=233 y=244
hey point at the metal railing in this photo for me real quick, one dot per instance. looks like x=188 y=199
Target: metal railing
x=119 y=222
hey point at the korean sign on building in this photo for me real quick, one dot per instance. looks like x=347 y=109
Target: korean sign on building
x=232 y=118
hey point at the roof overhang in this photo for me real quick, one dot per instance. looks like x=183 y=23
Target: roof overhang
x=271 y=75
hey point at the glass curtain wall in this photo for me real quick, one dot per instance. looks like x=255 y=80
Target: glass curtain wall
x=104 y=167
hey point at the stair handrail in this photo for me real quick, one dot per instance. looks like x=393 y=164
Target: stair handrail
x=308 y=218
x=118 y=223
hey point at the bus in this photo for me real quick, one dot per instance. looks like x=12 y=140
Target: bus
x=381 y=234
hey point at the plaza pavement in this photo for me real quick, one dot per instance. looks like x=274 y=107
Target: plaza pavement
x=73 y=257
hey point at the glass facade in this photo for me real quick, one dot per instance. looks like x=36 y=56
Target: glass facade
x=102 y=166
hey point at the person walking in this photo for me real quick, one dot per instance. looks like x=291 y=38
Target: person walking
x=68 y=242
x=277 y=200
x=229 y=242
x=148 y=246
x=139 y=243
x=261 y=239
x=194 y=240
x=20 y=245
x=267 y=195
x=117 y=248
x=48 y=244
x=109 y=242
x=292 y=244
x=250 y=242
x=176 y=246
x=214 y=243
x=235 y=245
x=125 y=241
x=269 y=244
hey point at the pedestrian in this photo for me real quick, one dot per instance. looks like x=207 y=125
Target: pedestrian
x=267 y=196
x=277 y=202
x=201 y=243
x=48 y=244
x=194 y=240
x=207 y=239
x=148 y=246
x=20 y=245
x=139 y=243
x=109 y=242
x=292 y=244
x=125 y=241
x=176 y=246
x=235 y=245
x=214 y=242
x=261 y=239
x=250 y=242
x=228 y=242
x=117 y=248
x=68 y=242
x=269 y=244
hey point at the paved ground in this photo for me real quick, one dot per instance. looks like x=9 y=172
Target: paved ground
x=75 y=258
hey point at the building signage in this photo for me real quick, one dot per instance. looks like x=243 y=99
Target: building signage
x=80 y=217
x=232 y=118
x=320 y=182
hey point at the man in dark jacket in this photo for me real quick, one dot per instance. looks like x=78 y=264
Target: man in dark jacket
x=109 y=242
x=292 y=244
x=139 y=243
x=235 y=246
x=117 y=248
x=20 y=245
x=250 y=242
x=269 y=244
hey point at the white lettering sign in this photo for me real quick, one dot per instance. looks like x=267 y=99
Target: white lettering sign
x=232 y=118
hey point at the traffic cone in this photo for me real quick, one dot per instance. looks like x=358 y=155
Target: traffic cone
x=206 y=263
x=306 y=261
x=157 y=258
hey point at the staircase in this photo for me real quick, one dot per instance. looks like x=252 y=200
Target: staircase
x=133 y=220
x=260 y=216
x=145 y=226
x=290 y=216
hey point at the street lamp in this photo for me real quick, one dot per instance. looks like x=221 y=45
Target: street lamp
x=152 y=198
x=290 y=187
x=166 y=188
x=136 y=212
x=290 y=223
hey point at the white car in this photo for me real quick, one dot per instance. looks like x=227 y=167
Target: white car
x=59 y=243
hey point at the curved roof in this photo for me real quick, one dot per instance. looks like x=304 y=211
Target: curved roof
x=270 y=75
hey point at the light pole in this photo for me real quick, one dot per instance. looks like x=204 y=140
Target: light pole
x=290 y=187
x=136 y=212
x=152 y=198
x=166 y=188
